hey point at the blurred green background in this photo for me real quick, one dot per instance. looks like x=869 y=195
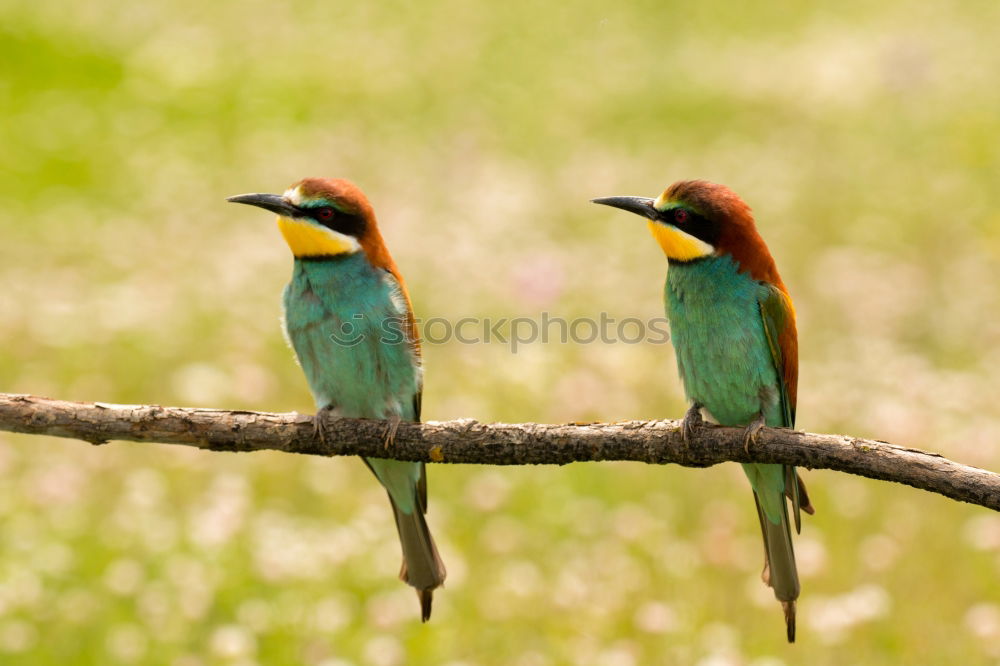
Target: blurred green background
x=866 y=136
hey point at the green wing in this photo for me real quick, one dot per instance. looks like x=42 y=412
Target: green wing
x=775 y=313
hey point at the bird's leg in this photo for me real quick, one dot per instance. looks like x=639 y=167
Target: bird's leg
x=751 y=432
x=692 y=421
x=390 y=434
x=319 y=423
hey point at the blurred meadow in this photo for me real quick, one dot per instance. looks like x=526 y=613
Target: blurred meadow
x=866 y=137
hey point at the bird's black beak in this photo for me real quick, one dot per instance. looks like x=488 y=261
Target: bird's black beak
x=272 y=202
x=638 y=205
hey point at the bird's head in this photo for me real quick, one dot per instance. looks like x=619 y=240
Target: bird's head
x=694 y=219
x=321 y=217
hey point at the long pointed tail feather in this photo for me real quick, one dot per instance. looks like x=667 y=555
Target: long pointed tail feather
x=789 y=607
x=780 y=572
x=406 y=485
x=422 y=566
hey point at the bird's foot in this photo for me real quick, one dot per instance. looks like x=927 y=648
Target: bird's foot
x=319 y=423
x=390 y=434
x=751 y=432
x=692 y=421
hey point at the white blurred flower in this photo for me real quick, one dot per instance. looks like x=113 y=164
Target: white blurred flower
x=810 y=555
x=153 y=605
x=232 y=641
x=656 y=617
x=633 y=522
x=53 y=558
x=488 y=490
x=123 y=576
x=879 y=552
x=384 y=651
x=502 y=534
x=188 y=660
x=983 y=620
x=570 y=589
x=332 y=614
x=521 y=578
x=201 y=383
x=767 y=661
x=620 y=654
x=255 y=614
x=127 y=642
x=145 y=488
x=719 y=637
x=57 y=484
x=221 y=513
x=77 y=605
x=388 y=610
x=194 y=585
x=17 y=636
x=833 y=617
x=22 y=587
x=720 y=659
x=251 y=382
x=680 y=558
x=531 y=659
x=983 y=532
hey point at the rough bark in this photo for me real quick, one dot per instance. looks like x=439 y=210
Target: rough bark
x=468 y=441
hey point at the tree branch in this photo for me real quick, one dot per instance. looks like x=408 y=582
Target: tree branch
x=468 y=441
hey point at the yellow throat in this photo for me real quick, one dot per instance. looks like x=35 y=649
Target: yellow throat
x=678 y=245
x=309 y=240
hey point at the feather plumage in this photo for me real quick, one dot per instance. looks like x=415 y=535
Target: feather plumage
x=733 y=330
x=348 y=317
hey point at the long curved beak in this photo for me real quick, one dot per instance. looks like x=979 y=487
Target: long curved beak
x=638 y=205
x=272 y=202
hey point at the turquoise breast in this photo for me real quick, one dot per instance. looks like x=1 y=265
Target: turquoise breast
x=346 y=321
x=718 y=335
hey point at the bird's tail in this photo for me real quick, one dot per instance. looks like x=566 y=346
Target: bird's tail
x=422 y=566
x=406 y=485
x=779 y=571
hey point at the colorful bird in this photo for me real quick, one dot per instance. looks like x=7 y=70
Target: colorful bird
x=348 y=317
x=732 y=323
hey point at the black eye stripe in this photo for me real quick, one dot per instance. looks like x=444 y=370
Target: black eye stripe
x=693 y=224
x=341 y=222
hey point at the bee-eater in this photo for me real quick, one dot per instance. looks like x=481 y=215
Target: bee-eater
x=348 y=316
x=732 y=323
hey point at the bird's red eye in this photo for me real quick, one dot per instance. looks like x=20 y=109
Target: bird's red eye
x=680 y=215
x=324 y=214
